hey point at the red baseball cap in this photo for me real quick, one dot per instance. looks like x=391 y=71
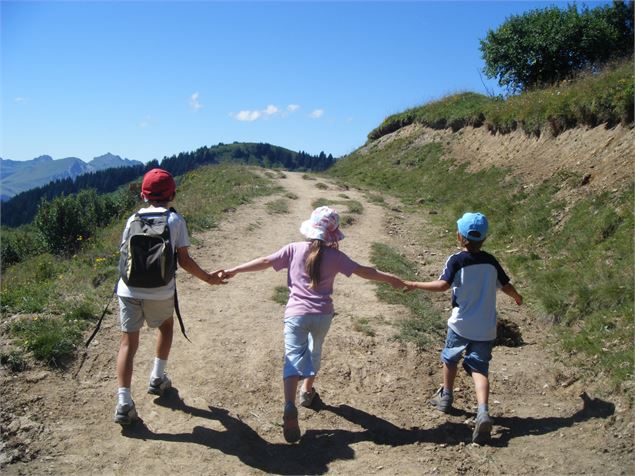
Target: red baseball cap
x=158 y=185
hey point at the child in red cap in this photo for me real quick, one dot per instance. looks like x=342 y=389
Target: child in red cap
x=152 y=305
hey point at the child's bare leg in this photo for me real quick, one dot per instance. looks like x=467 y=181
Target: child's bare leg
x=481 y=386
x=290 y=388
x=125 y=358
x=307 y=384
x=164 y=339
x=449 y=374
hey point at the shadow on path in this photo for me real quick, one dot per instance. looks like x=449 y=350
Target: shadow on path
x=513 y=427
x=318 y=448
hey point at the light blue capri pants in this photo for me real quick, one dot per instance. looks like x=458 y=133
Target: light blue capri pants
x=303 y=339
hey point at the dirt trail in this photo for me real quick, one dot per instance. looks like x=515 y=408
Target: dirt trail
x=224 y=415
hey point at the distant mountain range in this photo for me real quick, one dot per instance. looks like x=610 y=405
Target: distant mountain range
x=18 y=176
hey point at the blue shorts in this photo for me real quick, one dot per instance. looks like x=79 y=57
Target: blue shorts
x=477 y=353
x=303 y=340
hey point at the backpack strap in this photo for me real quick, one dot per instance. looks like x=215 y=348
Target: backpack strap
x=178 y=314
x=92 y=336
x=176 y=296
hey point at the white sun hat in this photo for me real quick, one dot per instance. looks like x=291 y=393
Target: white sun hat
x=323 y=225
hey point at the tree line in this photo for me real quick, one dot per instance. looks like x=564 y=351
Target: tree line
x=22 y=208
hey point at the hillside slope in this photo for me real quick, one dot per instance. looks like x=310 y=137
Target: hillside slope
x=603 y=157
x=224 y=416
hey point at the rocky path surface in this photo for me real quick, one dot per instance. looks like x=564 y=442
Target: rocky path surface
x=224 y=414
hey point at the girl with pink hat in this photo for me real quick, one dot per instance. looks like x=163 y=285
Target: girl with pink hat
x=312 y=266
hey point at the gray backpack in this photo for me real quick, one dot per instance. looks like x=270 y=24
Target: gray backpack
x=147 y=257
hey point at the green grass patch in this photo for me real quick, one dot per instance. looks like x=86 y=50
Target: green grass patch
x=425 y=325
x=321 y=186
x=281 y=295
x=52 y=341
x=278 y=206
x=232 y=186
x=591 y=99
x=352 y=206
x=362 y=325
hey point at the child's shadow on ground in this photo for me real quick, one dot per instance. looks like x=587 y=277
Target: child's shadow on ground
x=318 y=448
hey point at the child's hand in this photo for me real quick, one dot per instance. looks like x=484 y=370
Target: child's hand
x=217 y=277
x=230 y=273
x=410 y=286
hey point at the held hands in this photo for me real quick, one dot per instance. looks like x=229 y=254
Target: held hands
x=217 y=277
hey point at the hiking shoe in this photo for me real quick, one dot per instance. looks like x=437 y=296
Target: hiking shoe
x=441 y=401
x=306 y=398
x=482 y=428
x=126 y=414
x=290 y=425
x=158 y=385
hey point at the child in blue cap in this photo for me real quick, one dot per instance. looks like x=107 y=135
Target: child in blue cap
x=474 y=277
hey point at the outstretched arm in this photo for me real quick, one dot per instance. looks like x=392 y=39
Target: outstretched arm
x=188 y=264
x=368 y=272
x=510 y=290
x=436 y=286
x=257 y=264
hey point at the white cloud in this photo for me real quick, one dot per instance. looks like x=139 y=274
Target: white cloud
x=21 y=100
x=293 y=107
x=248 y=116
x=194 y=102
x=316 y=114
x=146 y=122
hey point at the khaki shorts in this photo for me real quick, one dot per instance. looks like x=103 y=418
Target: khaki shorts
x=134 y=312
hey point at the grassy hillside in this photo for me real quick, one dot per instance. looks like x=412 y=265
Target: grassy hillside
x=47 y=301
x=575 y=263
x=602 y=98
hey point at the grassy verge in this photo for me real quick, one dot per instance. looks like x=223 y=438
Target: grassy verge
x=576 y=269
x=280 y=295
x=425 y=324
x=47 y=302
x=604 y=98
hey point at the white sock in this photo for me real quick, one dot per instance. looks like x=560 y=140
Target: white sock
x=159 y=368
x=124 y=396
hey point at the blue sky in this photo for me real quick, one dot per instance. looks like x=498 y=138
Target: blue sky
x=145 y=80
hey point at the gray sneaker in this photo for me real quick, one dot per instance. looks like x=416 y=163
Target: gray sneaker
x=482 y=428
x=159 y=385
x=126 y=414
x=306 y=398
x=442 y=402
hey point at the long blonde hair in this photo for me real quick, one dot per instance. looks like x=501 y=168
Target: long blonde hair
x=313 y=262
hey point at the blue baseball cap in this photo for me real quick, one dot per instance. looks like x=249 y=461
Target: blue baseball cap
x=473 y=226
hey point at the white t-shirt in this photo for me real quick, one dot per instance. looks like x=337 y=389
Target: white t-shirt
x=179 y=238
